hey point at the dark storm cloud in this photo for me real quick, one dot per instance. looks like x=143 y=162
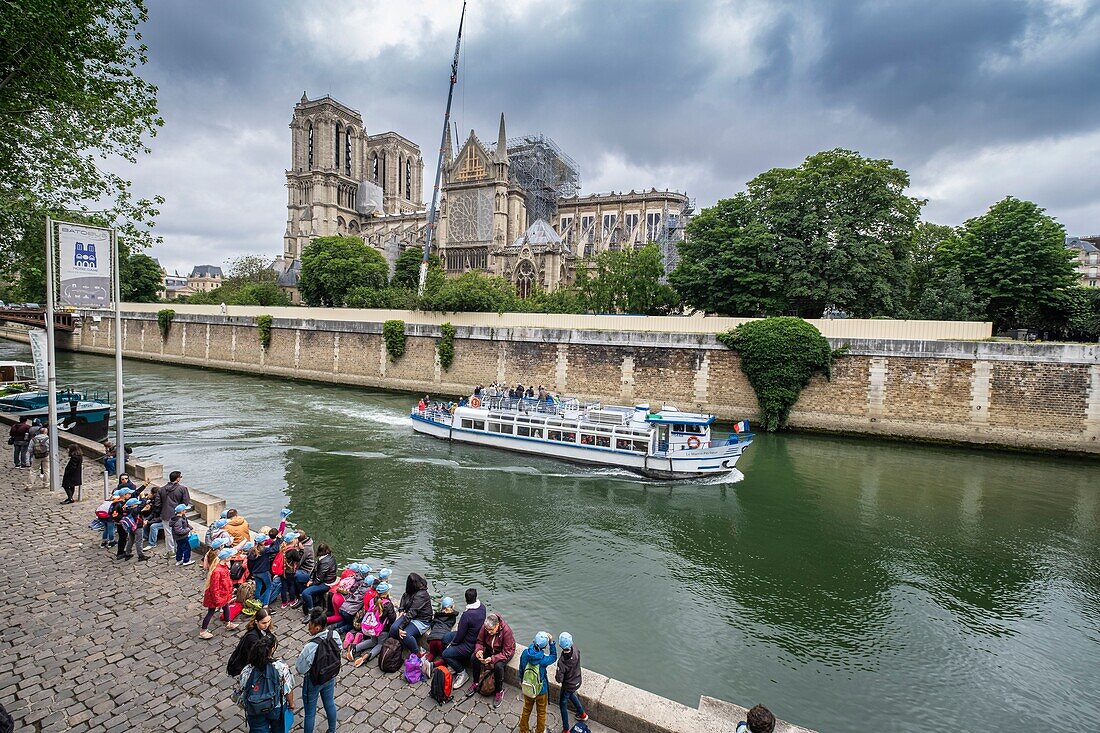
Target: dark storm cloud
x=694 y=95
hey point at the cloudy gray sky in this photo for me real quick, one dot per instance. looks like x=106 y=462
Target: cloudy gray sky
x=976 y=98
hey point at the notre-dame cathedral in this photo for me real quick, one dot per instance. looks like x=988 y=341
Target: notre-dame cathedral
x=345 y=181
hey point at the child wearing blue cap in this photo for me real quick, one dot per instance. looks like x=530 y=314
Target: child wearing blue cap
x=133 y=522
x=181 y=529
x=536 y=689
x=443 y=621
x=568 y=675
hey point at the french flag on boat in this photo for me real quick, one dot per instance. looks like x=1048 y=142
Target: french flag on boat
x=741 y=427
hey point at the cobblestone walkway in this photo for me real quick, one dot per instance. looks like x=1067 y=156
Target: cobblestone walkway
x=93 y=644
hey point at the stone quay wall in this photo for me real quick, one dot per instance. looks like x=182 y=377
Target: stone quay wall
x=1004 y=394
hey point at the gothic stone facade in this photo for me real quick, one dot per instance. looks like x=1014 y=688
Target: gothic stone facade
x=344 y=181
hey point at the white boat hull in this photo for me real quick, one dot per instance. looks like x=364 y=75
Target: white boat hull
x=680 y=464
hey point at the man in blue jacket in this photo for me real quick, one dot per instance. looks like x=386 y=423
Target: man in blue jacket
x=540 y=655
x=460 y=642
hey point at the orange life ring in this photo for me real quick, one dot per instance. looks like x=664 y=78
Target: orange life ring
x=693 y=442
x=475 y=402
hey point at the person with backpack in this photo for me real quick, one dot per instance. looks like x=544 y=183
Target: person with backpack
x=495 y=647
x=760 y=720
x=319 y=665
x=259 y=628
x=533 y=683
x=153 y=524
x=265 y=689
x=133 y=523
x=19 y=440
x=116 y=514
x=180 y=529
x=40 y=455
x=568 y=675
x=460 y=642
x=378 y=617
x=292 y=559
x=217 y=593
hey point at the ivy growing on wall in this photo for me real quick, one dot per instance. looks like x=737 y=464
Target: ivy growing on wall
x=779 y=356
x=446 y=346
x=263 y=327
x=393 y=331
x=164 y=321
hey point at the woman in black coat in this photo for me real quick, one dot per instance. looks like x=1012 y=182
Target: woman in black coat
x=414 y=613
x=74 y=472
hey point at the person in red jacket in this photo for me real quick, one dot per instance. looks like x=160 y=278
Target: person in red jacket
x=496 y=645
x=217 y=593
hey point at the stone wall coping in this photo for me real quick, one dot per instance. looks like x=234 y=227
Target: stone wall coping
x=631 y=709
x=1061 y=353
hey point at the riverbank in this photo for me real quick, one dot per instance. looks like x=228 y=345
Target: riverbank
x=110 y=592
x=905 y=384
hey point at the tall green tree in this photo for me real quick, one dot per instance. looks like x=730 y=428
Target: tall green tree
x=946 y=297
x=930 y=241
x=332 y=266
x=251 y=268
x=70 y=95
x=141 y=278
x=728 y=262
x=406 y=271
x=627 y=281
x=835 y=231
x=1014 y=259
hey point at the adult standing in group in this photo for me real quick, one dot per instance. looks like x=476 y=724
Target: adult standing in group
x=172 y=494
x=256 y=630
x=20 y=441
x=496 y=645
x=265 y=690
x=460 y=642
x=155 y=524
x=74 y=473
x=318 y=674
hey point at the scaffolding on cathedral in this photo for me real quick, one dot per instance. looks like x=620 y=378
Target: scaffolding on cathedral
x=544 y=172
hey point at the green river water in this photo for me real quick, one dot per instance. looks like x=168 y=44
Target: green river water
x=848 y=584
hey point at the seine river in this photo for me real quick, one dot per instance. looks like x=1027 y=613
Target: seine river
x=850 y=585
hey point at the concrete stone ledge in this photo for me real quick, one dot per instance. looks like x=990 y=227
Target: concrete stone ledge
x=633 y=710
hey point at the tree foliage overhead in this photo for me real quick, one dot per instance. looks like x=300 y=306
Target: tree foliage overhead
x=70 y=98
x=1014 y=259
x=251 y=281
x=779 y=356
x=627 y=281
x=333 y=266
x=835 y=231
x=141 y=279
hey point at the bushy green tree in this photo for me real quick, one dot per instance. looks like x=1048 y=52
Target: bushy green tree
x=141 y=278
x=627 y=281
x=70 y=96
x=946 y=297
x=562 y=300
x=835 y=231
x=391 y=298
x=333 y=266
x=1014 y=259
x=473 y=292
x=728 y=262
x=926 y=257
x=406 y=272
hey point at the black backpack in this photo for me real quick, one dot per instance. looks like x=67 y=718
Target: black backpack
x=326 y=660
x=389 y=659
x=442 y=684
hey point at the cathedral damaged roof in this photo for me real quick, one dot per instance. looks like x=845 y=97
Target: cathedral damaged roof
x=539 y=237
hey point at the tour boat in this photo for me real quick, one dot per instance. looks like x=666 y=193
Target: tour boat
x=86 y=414
x=663 y=443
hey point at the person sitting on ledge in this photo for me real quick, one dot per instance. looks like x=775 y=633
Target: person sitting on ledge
x=496 y=645
x=760 y=720
x=460 y=642
x=237 y=527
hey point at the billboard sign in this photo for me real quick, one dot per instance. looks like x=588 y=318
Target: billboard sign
x=85 y=254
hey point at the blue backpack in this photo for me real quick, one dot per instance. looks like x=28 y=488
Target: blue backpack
x=263 y=694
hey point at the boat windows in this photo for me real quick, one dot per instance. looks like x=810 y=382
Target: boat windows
x=603 y=441
x=496 y=427
x=479 y=424
x=688 y=429
x=536 y=432
x=468 y=424
x=642 y=446
x=554 y=435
